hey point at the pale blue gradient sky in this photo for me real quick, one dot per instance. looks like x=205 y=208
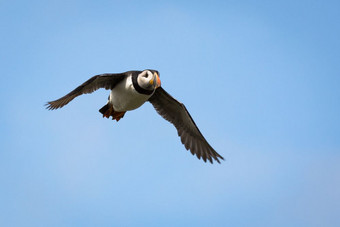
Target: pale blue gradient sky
x=261 y=79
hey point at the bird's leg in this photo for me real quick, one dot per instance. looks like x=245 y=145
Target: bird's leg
x=108 y=112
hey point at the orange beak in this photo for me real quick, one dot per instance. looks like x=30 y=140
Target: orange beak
x=158 y=81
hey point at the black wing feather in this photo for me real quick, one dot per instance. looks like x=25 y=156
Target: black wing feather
x=107 y=81
x=176 y=113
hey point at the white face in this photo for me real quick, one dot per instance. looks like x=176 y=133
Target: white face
x=144 y=80
x=147 y=74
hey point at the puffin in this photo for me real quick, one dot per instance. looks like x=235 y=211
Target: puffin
x=129 y=91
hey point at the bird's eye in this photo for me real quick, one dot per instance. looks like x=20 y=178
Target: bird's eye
x=146 y=75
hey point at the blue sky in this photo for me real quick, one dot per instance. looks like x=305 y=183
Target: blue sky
x=261 y=79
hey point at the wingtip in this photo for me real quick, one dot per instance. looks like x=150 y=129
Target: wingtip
x=211 y=159
x=48 y=106
x=218 y=159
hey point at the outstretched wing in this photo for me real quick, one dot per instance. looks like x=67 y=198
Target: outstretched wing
x=176 y=113
x=107 y=81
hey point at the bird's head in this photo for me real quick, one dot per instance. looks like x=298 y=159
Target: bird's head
x=149 y=79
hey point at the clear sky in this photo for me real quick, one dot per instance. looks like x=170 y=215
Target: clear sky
x=260 y=78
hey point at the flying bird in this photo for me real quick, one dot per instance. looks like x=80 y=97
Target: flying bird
x=130 y=90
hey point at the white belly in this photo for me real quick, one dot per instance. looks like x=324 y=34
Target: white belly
x=124 y=97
